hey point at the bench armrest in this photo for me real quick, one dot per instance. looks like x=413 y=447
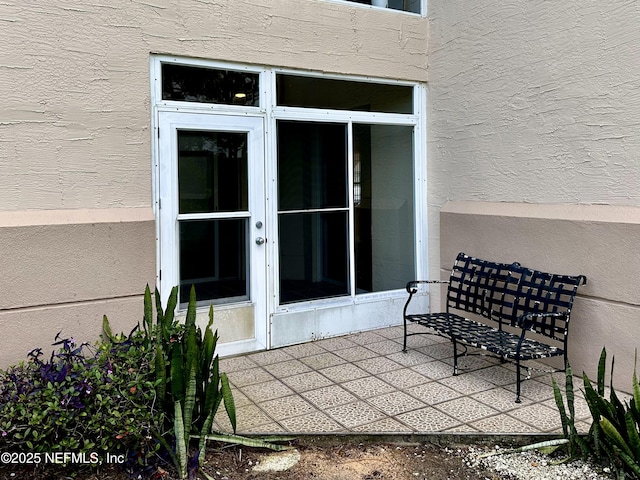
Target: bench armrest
x=527 y=320
x=412 y=286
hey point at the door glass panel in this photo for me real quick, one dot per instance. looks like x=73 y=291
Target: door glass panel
x=314 y=261
x=213 y=258
x=383 y=206
x=313 y=210
x=212 y=171
x=312 y=165
x=209 y=85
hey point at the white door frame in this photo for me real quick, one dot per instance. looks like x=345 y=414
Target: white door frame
x=169 y=122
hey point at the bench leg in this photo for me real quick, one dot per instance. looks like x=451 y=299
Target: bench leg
x=455 y=356
x=404 y=345
x=518 y=381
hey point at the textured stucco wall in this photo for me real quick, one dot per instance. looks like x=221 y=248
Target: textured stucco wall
x=75 y=138
x=534 y=102
x=539 y=103
x=74 y=79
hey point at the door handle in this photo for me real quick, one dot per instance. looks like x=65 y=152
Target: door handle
x=260 y=241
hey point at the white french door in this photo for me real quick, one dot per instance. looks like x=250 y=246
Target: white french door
x=212 y=219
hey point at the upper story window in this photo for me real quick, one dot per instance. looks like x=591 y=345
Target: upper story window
x=413 y=6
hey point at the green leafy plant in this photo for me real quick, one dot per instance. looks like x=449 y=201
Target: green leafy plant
x=82 y=400
x=576 y=445
x=616 y=425
x=189 y=386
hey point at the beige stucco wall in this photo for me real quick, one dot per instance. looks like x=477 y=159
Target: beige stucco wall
x=539 y=103
x=75 y=138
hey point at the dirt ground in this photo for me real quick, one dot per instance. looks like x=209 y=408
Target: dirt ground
x=376 y=461
x=354 y=462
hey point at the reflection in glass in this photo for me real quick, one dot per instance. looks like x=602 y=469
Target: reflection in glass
x=212 y=171
x=314 y=261
x=312 y=165
x=383 y=206
x=213 y=258
x=209 y=85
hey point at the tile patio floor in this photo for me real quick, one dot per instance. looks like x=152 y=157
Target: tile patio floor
x=364 y=383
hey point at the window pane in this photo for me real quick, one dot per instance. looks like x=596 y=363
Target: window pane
x=383 y=206
x=312 y=165
x=315 y=92
x=209 y=85
x=212 y=171
x=314 y=261
x=213 y=258
x=405 y=5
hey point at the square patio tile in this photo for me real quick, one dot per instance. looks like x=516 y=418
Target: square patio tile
x=304 y=350
x=266 y=391
x=466 y=383
x=391 y=332
x=314 y=422
x=385 y=347
x=497 y=375
x=336 y=343
x=353 y=354
x=366 y=338
x=533 y=389
x=428 y=419
x=466 y=409
x=233 y=364
x=251 y=376
x=580 y=405
x=425 y=339
x=501 y=423
x=409 y=359
x=353 y=414
x=501 y=399
x=239 y=398
x=403 y=378
x=343 y=373
x=250 y=418
x=270 y=356
x=474 y=362
x=306 y=381
x=385 y=425
x=378 y=365
x=439 y=351
x=368 y=387
x=433 y=393
x=434 y=370
x=395 y=403
x=287 y=368
x=322 y=360
x=287 y=407
x=540 y=417
x=330 y=396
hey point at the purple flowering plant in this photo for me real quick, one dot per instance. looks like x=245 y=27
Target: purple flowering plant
x=82 y=398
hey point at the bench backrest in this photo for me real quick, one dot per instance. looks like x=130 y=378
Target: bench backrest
x=504 y=292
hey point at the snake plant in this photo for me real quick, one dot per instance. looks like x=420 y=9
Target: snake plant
x=190 y=386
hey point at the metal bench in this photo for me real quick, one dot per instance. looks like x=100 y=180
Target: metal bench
x=517 y=313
